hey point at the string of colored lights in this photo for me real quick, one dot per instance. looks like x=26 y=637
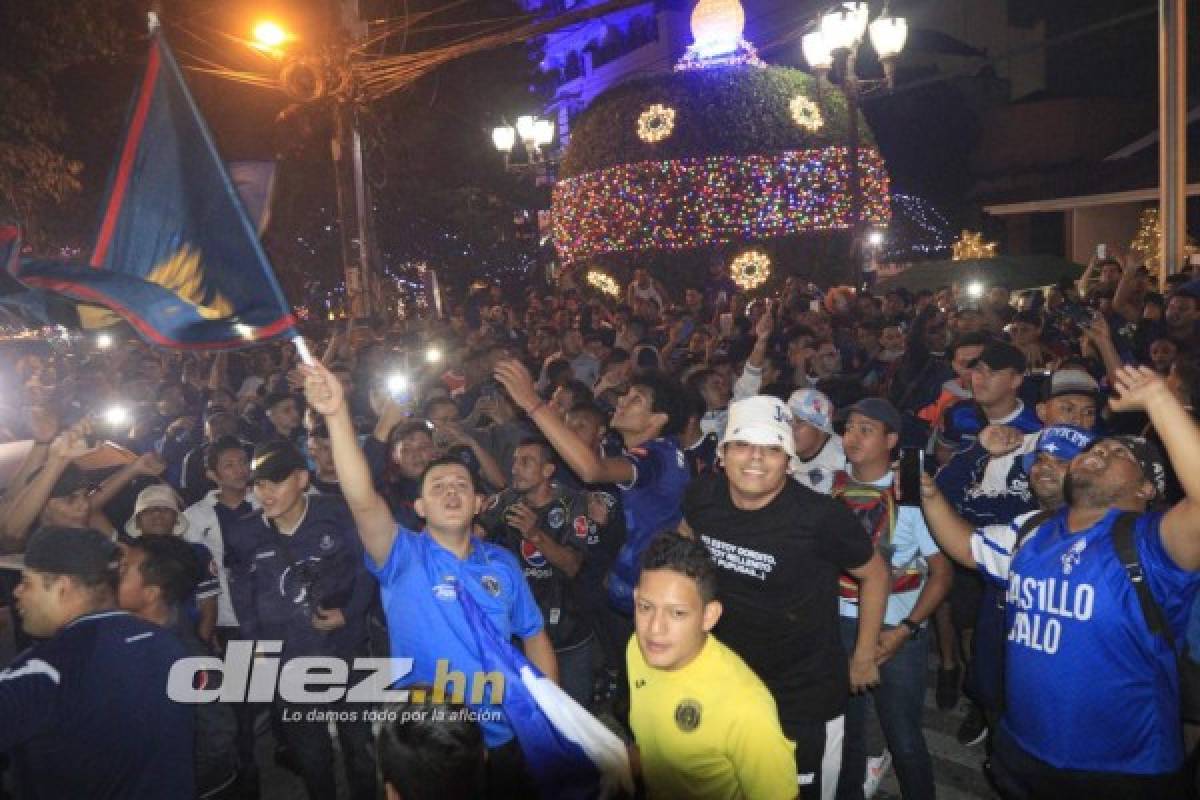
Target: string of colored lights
x=696 y=202
x=918 y=230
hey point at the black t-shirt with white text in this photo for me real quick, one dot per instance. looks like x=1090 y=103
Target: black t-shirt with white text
x=777 y=578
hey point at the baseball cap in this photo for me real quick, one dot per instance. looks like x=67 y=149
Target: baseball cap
x=80 y=552
x=1064 y=442
x=1147 y=454
x=1070 y=381
x=880 y=410
x=70 y=481
x=275 y=461
x=1189 y=289
x=813 y=407
x=762 y=420
x=1002 y=355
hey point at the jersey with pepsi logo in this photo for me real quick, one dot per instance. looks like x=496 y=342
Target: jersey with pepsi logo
x=653 y=500
x=565 y=520
x=1088 y=686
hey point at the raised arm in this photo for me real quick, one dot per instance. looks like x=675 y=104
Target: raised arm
x=23 y=511
x=376 y=527
x=585 y=463
x=1142 y=389
x=1123 y=299
x=1100 y=336
x=952 y=532
x=1085 y=280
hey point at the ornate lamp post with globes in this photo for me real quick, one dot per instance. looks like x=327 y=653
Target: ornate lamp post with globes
x=839 y=34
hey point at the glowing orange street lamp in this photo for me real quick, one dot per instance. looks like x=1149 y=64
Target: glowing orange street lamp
x=269 y=36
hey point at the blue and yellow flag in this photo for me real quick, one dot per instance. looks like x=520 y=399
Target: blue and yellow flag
x=176 y=254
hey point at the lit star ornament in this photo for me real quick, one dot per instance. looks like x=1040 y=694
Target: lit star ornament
x=970 y=245
x=806 y=113
x=655 y=123
x=604 y=283
x=751 y=269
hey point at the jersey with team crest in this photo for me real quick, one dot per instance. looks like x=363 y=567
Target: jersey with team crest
x=565 y=520
x=1079 y=653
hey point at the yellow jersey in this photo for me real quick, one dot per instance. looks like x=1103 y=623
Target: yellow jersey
x=709 y=730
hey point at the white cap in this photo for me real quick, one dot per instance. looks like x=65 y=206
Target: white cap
x=762 y=420
x=813 y=407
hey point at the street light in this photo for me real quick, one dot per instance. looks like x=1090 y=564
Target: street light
x=533 y=134
x=525 y=127
x=888 y=35
x=269 y=38
x=817 y=52
x=543 y=132
x=841 y=30
x=504 y=137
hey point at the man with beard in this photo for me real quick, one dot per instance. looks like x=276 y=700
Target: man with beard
x=1046 y=468
x=779 y=548
x=651 y=472
x=1096 y=597
x=547 y=527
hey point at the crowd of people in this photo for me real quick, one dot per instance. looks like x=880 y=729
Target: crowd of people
x=748 y=533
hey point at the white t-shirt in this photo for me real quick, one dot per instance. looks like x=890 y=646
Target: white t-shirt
x=817 y=473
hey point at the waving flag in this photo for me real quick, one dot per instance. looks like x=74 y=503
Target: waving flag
x=570 y=753
x=176 y=254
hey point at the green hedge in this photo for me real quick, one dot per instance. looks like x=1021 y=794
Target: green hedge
x=727 y=111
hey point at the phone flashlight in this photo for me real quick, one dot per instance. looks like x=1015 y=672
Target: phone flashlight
x=433 y=355
x=397 y=384
x=975 y=289
x=104 y=341
x=116 y=416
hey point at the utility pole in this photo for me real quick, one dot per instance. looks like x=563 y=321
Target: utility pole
x=346 y=147
x=1172 y=135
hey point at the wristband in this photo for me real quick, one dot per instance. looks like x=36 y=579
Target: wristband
x=541 y=404
x=913 y=628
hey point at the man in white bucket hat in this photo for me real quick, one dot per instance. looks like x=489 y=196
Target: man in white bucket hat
x=779 y=548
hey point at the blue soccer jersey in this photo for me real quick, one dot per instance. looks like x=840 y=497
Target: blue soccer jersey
x=653 y=503
x=426 y=622
x=1087 y=686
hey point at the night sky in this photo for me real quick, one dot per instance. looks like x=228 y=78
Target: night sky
x=432 y=139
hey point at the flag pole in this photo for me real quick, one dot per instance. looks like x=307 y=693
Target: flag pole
x=303 y=351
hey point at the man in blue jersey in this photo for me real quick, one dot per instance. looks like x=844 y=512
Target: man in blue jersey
x=651 y=473
x=1092 y=695
x=421 y=573
x=85 y=711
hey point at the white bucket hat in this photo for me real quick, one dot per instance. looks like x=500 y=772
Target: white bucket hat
x=762 y=420
x=157 y=495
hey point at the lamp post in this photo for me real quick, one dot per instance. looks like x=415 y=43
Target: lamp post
x=533 y=134
x=840 y=32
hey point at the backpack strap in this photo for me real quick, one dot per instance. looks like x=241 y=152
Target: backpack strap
x=1027 y=529
x=1126 y=547
x=1030 y=526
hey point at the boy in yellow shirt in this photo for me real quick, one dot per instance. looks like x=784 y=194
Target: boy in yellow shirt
x=705 y=725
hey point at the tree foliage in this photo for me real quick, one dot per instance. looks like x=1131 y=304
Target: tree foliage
x=44 y=40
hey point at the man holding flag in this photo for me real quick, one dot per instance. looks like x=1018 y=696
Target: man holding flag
x=452 y=605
